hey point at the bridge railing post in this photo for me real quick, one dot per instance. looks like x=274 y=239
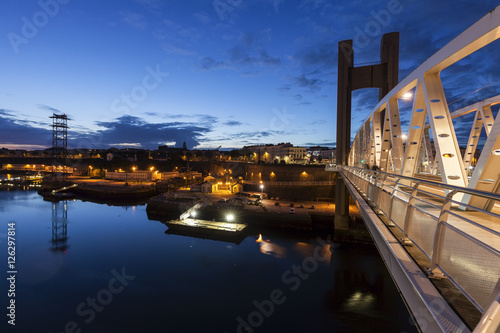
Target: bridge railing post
x=439 y=235
x=382 y=187
x=378 y=188
x=393 y=193
x=408 y=217
x=366 y=178
x=490 y=321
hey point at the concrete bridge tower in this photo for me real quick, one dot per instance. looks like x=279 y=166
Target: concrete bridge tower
x=383 y=76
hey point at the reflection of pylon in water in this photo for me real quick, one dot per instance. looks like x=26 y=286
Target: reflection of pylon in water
x=60 y=226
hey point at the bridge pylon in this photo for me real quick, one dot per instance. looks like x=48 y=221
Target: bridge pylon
x=383 y=76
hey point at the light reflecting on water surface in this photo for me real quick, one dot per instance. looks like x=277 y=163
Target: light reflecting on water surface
x=101 y=268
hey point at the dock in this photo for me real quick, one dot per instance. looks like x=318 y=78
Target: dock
x=190 y=223
x=225 y=231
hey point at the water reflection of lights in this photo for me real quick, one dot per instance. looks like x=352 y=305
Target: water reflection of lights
x=269 y=248
x=314 y=250
x=359 y=301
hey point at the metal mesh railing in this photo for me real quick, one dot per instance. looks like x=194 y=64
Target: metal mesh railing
x=422 y=230
x=473 y=266
x=462 y=242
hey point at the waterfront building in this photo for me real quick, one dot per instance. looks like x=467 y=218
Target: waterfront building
x=195 y=187
x=138 y=175
x=270 y=153
x=236 y=188
x=194 y=175
x=322 y=154
x=219 y=187
x=38 y=168
x=209 y=179
x=164 y=176
x=206 y=187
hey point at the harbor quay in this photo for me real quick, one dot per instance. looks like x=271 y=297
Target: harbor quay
x=285 y=197
x=271 y=213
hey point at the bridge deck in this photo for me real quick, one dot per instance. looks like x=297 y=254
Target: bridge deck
x=458 y=250
x=430 y=304
x=479 y=227
x=454 y=297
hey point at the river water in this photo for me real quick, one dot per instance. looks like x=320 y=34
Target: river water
x=88 y=267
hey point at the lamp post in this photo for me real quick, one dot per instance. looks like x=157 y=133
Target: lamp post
x=261 y=188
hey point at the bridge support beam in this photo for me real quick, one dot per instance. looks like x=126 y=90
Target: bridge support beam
x=383 y=76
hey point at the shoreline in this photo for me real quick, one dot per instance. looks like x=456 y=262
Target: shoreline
x=319 y=219
x=303 y=216
x=100 y=189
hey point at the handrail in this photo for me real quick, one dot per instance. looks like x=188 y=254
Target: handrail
x=490 y=322
x=64 y=188
x=371 y=181
x=276 y=183
x=484 y=194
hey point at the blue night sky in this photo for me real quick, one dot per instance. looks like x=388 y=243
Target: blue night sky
x=143 y=73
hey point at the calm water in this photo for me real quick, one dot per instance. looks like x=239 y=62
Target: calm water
x=118 y=271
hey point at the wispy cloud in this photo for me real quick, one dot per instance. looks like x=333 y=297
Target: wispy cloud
x=133 y=19
x=202 y=17
x=310 y=83
x=152 y=5
x=48 y=108
x=232 y=123
x=208 y=63
x=172 y=49
x=321 y=143
x=248 y=53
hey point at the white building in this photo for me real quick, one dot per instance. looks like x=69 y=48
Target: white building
x=168 y=175
x=221 y=187
x=139 y=175
x=196 y=174
x=280 y=152
x=323 y=153
x=38 y=167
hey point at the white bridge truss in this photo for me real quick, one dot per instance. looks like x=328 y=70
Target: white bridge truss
x=379 y=143
x=435 y=197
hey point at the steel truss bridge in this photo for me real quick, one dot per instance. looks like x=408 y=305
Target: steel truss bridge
x=432 y=209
